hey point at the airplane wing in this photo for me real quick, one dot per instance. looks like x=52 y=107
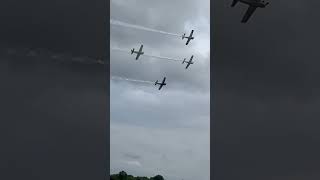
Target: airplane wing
x=138 y=55
x=191 y=33
x=248 y=14
x=140 y=50
x=188 y=41
x=164 y=79
x=163 y=83
x=188 y=65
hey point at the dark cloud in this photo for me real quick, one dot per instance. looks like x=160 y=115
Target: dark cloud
x=266 y=92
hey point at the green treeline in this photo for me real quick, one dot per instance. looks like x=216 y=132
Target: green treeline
x=124 y=176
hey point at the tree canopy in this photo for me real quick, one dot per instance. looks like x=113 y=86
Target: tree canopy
x=124 y=176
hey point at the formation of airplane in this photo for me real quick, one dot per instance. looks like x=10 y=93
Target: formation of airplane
x=161 y=84
x=188 y=62
x=140 y=52
x=188 y=37
x=253 y=5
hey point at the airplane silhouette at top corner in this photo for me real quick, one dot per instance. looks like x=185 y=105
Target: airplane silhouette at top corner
x=253 y=5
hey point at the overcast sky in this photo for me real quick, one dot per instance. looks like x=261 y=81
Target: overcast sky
x=161 y=132
x=266 y=116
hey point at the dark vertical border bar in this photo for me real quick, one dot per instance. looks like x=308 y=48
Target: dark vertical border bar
x=54 y=115
x=212 y=93
x=107 y=175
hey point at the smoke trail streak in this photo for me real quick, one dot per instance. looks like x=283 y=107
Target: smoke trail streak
x=131 y=80
x=153 y=56
x=55 y=57
x=124 y=24
x=118 y=49
x=161 y=57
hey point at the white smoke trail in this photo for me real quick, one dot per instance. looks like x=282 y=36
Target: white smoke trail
x=118 y=49
x=131 y=80
x=153 y=56
x=55 y=57
x=165 y=58
x=124 y=24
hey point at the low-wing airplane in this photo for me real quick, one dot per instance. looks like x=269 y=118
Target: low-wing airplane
x=162 y=83
x=253 y=5
x=188 y=62
x=138 y=52
x=189 y=38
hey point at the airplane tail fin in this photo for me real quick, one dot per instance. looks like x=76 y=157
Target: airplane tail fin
x=234 y=2
x=184 y=60
x=132 y=51
x=156 y=82
x=184 y=35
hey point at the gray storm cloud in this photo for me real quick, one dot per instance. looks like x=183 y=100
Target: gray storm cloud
x=169 y=129
x=159 y=48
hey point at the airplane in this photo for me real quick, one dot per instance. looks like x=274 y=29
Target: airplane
x=161 y=84
x=137 y=52
x=189 y=38
x=188 y=62
x=253 y=5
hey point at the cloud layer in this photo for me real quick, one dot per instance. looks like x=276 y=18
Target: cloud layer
x=160 y=132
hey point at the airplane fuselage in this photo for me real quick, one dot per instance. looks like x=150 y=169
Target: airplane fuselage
x=137 y=52
x=160 y=83
x=254 y=3
x=186 y=37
